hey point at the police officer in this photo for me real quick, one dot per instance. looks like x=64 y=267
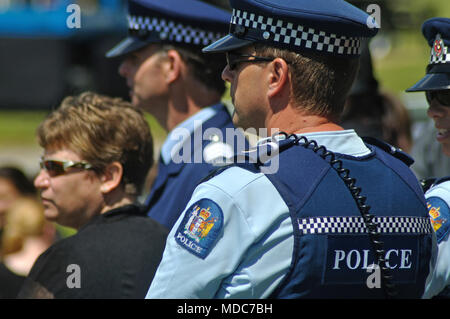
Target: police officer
x=436 y=84
x=317 y=226
x=172 y=79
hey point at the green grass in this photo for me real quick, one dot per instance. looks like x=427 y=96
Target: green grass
x=158 y=132
x=18 y=128
x=404 y=65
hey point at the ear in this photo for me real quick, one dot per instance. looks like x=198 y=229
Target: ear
x=174 y=67
x=278 y=77
x=111 y=178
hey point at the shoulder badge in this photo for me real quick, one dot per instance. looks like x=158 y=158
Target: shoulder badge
x=200 y=227
x=440 y=214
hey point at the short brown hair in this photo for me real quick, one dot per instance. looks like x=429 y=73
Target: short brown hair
x=102 y=130
x=320 y=83
x=207 y=69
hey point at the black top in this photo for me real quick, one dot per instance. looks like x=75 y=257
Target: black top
x=10 y=283
x=115 y=255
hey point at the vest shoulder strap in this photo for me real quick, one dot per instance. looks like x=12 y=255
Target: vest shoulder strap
x=392 y=150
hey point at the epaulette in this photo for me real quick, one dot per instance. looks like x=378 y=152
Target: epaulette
x=441 y=180
x=214 y=172
x=394 y=151
x=243 y=161
x=426 y=183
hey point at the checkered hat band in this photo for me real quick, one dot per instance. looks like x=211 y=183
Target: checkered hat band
x=173 y=31
x=443 y=58
x=356 y=225
x=287 y=33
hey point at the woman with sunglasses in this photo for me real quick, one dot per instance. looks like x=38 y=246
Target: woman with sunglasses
x=436 y=85
x=95 y=150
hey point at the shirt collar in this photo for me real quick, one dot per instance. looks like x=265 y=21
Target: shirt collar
x=174 y=142
x=344 y=142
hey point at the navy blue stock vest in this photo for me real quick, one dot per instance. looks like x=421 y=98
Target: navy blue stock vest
x=332 y=250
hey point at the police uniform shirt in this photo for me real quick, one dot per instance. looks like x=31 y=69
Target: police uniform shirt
x=175 y=141
x=438 y=202
x=243 y=262
x=190 y=153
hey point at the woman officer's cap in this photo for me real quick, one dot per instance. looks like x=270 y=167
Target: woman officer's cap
x=437 y=32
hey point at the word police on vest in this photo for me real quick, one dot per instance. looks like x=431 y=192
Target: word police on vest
x=353 y=254
x=395 y=258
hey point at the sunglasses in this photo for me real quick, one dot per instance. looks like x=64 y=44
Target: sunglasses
x=60 y=167
x=233 y=59
x=443 y=97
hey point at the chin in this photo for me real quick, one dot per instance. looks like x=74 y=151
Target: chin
x=135 y=101
x=51 y=218
x=446 y=149
x=51 y=214
x=237 y=122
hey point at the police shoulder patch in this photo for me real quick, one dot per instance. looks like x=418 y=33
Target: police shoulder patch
x=440 y=216
x=200 y=227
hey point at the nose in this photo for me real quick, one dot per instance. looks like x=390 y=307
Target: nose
x=227 y=75
x=42 y=180
x=124 y=68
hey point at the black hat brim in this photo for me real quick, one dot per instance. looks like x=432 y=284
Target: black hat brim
x=225 y=44
x=128 y=45
x=431 y=82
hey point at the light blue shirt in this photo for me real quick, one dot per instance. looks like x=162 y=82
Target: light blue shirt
x=253 y=254
x=440 y=278
x=173 y=142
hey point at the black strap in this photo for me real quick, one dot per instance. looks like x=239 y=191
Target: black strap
x=426 y=183
x=394 y=151
x=441 y=180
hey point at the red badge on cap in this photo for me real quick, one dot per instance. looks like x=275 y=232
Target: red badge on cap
x=438 y=46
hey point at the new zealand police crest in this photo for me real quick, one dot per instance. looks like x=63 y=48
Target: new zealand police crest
x=200 y=227
x=440 y=217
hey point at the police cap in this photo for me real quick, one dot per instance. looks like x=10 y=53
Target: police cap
x=190 y=22
x=437 y=33
x=331 y=27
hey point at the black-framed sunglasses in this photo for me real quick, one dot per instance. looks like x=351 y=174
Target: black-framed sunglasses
x=59 y=167
x=234 y=58
x=442 y=96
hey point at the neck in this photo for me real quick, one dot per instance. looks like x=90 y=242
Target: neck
x=294 y=121
x=320 y=127
x=112 y=202
x=188 y=99
x=22 y=261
